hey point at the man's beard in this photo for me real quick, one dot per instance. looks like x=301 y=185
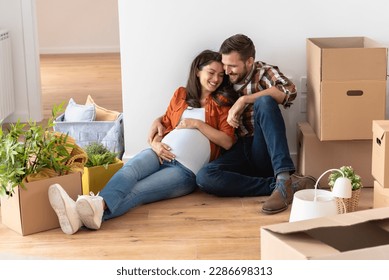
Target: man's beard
x=239 y=78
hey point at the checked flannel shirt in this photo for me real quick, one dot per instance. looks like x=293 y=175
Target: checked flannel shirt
x=261 y=77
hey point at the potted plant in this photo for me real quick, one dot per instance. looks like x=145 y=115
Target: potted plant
x=33 y=157
x=102 y=164
x=27 y=149
x=356 y=183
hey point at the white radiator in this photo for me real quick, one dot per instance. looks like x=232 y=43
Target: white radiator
x=7 y=97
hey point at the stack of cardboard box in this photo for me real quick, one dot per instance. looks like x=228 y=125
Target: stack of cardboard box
x=380 y=162
x=346 y=84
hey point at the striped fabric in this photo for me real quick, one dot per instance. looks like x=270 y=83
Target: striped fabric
x=264 y=76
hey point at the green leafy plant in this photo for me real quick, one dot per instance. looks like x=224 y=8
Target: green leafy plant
x=356 y=181
x=98 y=154
x=27 y=148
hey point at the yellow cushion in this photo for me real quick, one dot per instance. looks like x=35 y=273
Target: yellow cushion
x=102 y=114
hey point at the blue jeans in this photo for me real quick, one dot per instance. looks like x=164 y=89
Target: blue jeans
x=144 y=180
x=250 y=167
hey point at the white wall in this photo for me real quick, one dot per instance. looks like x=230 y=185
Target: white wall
x=78 y=26
x=18 y=16
x=159 y=39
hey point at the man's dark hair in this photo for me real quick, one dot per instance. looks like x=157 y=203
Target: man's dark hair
x=239 y=43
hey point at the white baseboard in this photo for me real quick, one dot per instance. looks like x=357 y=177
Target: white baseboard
x=23 y=117
x=73 y=50
x=126 y=157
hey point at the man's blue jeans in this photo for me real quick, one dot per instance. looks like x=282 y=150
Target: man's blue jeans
x=143 y=180
x=250 y=167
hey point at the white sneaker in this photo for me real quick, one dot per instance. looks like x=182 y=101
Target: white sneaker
x=65 y=208
x=90 y=210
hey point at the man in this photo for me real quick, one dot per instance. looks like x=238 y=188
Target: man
x=259 y=163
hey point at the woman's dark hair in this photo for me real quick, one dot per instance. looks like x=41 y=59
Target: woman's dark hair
x=225 y=96
x=239 y=43
x=193 y=86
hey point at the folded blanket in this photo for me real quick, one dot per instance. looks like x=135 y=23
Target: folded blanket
x=76 y=162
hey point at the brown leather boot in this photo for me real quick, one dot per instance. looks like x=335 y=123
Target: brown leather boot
x=280 y=198
x=284 y=191
x=301 y=182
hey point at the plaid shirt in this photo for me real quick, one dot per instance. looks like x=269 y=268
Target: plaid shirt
x=262 y=76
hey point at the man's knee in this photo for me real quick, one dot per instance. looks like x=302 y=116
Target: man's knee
x=202 y=178
x=266 y=106
x=263 y=102
x=207 y=179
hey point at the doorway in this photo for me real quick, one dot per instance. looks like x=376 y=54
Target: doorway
x=79 y=52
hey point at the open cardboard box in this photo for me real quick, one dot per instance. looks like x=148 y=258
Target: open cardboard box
x=361 y=235
x=29 y=211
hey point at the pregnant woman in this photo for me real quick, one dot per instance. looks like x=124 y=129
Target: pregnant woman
x=196 y=130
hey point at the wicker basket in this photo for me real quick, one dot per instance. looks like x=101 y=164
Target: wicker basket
x=351 y=204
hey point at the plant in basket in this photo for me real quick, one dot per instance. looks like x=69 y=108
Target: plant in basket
x=102 y=164
x=98 y=154
x=356 y=183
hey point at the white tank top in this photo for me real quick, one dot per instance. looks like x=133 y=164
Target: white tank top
x=191 y=147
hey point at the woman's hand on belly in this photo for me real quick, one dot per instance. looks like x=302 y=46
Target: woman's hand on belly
x=163 y=151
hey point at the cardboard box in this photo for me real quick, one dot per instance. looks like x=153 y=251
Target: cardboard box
x=315 y=157
x=29 y=211
x=380 y=156
x=95 y=178
x=380 y=196
x=361 y=235
x=346 y=84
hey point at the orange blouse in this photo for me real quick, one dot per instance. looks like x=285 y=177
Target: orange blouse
x=215 y=116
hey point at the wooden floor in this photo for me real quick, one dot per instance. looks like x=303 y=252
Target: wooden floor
x=195 y=227
x=76 y=76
